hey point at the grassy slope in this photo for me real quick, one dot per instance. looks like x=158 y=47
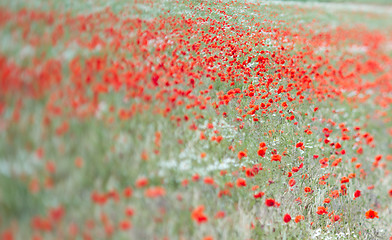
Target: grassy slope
x=112 y=150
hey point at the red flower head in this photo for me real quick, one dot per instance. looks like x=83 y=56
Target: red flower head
x=241 y=182
x=335 y=218
x=299 y=218
x=292 y=182
x=300 y=145
x=198 y=215
x=371 y=214
x=270 y=202
x=357 y=194
x=261 y=151
x=276 y=157
x=344 y=180
x=321 y=210
x=259 y=195
x=287 y=218
x=241 y=155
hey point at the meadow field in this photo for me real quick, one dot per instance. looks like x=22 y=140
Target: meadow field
x=191 y=119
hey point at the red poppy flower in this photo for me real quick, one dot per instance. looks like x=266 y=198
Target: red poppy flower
x=270 y=202
x=357 y=194
x=321 y=210
x=241 y=182
x=125 y=225
x=261 y=152
x=344 y=180
x=287 y=218
x=292 y=182
x=154 y=192
x=241 y=155
x=371 y=214
x=300 y=145
x=198 y=215
x=220 y=214
x=299 y=218
x=276 y=157
x=336 y=218
x=259 y=195
x=209 y=180
x=250 y=172
x=128 y=192
x=141 y=182
x=129 y=211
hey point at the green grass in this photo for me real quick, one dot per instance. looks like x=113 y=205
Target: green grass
x=112 y=148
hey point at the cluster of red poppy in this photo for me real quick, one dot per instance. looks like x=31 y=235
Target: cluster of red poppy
x=277 y=86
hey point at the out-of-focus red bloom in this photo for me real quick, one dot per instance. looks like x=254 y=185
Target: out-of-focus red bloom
x=344 y=180
x=220 y=214
x=287 y=218
x=334 y=194
x=209 y=180
x=292 y=182
x=299 y=218
x=300 y=145
x=378 y=158
x=261 y=151
x=351 y=175
x=250 y=172
x=78 y=162
x=57 y=214
x=276 y=157
x=195 y=177
x=270 y=202
x=241 y=182
x=128 y=192
x=198 y=215
x=259 y=195
x=357 y=194
x=371 y=214
x=129 y=211
x=125 y=225
x=241 y=154
x=154 y=192
x=321 y=210
x=141 y=182
x=343 y=189
x=335 y=218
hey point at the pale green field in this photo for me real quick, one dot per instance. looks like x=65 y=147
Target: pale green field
x=112 y=149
